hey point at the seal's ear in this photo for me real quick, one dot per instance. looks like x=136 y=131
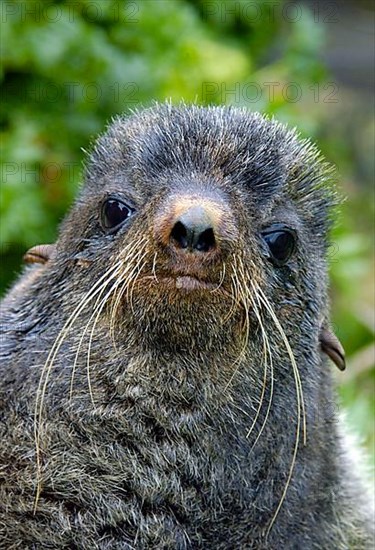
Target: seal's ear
x=331 y=345
x=40 y=254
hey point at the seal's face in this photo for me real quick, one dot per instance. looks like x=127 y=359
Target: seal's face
x=193 y=217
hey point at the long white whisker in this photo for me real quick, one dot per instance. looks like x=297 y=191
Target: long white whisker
x=102 y=305
x=96 y=313
x=221 y=280
x=134 y=275
x=266 y=340
x=243 y=302
x=300 y=403
x=125 y=278
x=42 y=386
x=264 y=385
x=104 y=286
x=292 y=359
x=154 y=267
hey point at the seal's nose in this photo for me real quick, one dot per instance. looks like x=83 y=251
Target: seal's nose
x=193 y=228
x=194 y=231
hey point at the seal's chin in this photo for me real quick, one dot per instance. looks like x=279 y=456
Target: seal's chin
x=180 y=311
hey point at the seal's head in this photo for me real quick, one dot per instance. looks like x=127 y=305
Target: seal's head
x=192 y=217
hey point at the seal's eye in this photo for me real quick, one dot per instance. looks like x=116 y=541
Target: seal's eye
x=281 y=242
x=114 y=214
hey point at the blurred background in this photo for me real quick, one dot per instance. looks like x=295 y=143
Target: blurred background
x=68 y=67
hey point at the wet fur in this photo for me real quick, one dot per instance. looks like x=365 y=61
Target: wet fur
x=158 y=420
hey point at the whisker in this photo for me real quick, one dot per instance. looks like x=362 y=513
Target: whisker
x=154 y=267
x=42 y=386
x=127 y=263
x=300 y=404
x=221 y=280
x=235 y=302
x=133 y=279
x=266 y=353
x=266 y=340
x=124 y=289
x=114 y=275
x=242 y=300
x=125 y=278
x=292 y=359
x=60 y=337
x=265 y=370
x=97 y=313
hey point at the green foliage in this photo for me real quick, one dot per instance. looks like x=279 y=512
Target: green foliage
x=69 y=66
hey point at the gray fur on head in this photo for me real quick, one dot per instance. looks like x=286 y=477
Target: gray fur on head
x=139 y=413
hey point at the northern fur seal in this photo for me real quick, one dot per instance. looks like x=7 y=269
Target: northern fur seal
x=163 y=368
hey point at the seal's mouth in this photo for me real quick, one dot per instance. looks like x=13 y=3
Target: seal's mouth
x=189 y=283
x=182 y=282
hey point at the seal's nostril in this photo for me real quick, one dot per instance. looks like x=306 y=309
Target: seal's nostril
x=205 y=240
x=180 y=234
x=193 y=230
